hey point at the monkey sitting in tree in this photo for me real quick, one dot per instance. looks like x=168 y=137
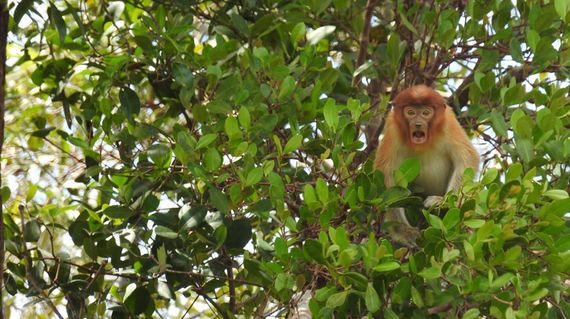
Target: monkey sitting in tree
x=422 y=126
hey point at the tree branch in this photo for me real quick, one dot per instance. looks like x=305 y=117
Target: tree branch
x=231 y=283
x=28 y=268
x=364 y=39
x=4 y=18
x=520 y=74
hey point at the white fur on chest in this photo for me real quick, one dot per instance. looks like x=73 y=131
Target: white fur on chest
x=435 y=170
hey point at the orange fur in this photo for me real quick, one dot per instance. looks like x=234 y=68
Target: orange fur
x=444 y=156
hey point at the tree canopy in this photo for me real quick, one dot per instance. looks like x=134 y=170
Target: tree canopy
x=181 y=159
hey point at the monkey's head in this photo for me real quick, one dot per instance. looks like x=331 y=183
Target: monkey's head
x=419 y=115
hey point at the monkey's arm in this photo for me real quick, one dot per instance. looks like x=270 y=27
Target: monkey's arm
x=462 y=153
x=387 y=161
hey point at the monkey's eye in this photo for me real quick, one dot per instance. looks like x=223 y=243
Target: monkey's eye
x=426 y=112
x=411 y=112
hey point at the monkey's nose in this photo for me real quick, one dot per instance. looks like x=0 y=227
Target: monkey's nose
x=418 y=125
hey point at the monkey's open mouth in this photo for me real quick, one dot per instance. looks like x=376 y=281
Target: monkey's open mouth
x=419 y=137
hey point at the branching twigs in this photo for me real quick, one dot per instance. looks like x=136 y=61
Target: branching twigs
x=231 y=284
x=440 y=308
x=29 y=275
x=4 y=17
x=364 y=39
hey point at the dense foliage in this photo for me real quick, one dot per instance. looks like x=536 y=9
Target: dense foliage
x=183 y=158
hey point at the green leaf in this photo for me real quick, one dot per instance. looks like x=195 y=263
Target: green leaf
x=471 y=314
x=371 y=299
x=562 y=7
x=417 y=297
x=5 y=192
x=293 y=144
x=469 y=252
x=451 y=218
x=119 y=212
x=287 y=88
x=165 y=232
x=387 y=266
x=254 y=176
x=231 y=128
x=261 y=53
x=410 y=169
x=219 y=200
x=355 y=108
x=498 y=123
x=214 y=70
x=276 y=186
x=219 y=107
x=41 y=133
x=331 y=114
x=532 y=38
x=183 y=75
x=58 y=21
x=536 y=295
x=390 y=314
x=490 y=175
x=239 y=234
x=160 y=155
x=515 y=50
x=435 y=222
x=322 y=190
x=221 y=234
x=336 y=300
x=205 y=140
x=32 y=231
x=309 y=194
x=341 y=238
x=525 y=149
x=191 y=217
x=23 y=7
x=513 y=172
x=244 y=118
x=212 y=159
x=430 y=273
x=130 y=103
x=313 y=249
x=556 y=194
x=514 y=95
x=32 y=190
x=556 y=208
x=138 y=301
x=523 y=126
x=284 y=281
x=502 y=280
x=393 y=49
x=298 y=33
x=239 y=22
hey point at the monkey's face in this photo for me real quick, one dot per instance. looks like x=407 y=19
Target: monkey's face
x=418 y=118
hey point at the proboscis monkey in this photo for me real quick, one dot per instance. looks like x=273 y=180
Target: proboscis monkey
x=422 y=126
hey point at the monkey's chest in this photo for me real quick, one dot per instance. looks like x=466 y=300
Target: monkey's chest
x=435 y=171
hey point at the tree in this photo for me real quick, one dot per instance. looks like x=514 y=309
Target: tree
x=180 y=158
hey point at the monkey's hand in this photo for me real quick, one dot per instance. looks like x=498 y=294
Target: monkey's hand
x=404 y=235
x=432 y=201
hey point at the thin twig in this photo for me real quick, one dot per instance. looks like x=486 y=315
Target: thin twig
x=4 y=18
x=364 y=39
x=231 y=284
x=28 y=268
x=440 y=308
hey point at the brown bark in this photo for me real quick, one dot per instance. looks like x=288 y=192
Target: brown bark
x=4 y=17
